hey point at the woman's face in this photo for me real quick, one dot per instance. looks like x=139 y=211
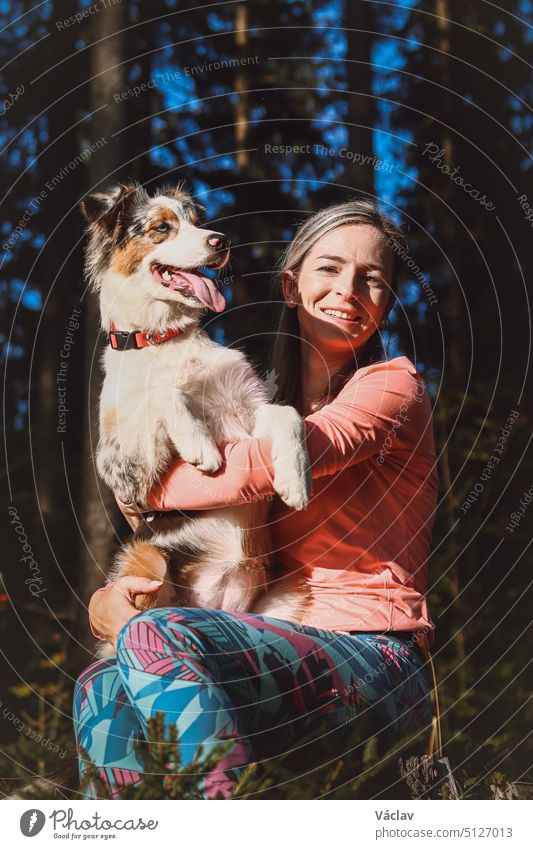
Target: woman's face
x=348 y=271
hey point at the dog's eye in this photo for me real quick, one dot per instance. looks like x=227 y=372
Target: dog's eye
x=164 y=227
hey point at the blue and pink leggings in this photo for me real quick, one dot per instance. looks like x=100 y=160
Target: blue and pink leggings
x=221 y=676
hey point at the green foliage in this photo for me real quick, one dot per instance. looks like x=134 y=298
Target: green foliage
x=36 y=712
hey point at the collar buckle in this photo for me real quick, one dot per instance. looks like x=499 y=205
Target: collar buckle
x=125 y=340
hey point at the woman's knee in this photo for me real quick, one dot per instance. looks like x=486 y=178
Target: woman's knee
x=160 y=631
x=91 y=679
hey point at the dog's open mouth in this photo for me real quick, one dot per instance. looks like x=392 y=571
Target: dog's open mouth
x=191 y=283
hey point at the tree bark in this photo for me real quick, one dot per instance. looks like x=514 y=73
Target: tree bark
x=58 y=298
x=241 y=86
x=98 y=509
x=358 y=21
x=455 y=334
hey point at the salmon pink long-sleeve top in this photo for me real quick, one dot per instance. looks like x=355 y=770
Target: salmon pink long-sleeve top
x=364 y=539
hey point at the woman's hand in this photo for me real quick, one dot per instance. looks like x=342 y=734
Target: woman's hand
x=111 y=607
x=132 y=515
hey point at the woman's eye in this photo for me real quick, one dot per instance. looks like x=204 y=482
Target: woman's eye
x=327 y=268
x=164 y=227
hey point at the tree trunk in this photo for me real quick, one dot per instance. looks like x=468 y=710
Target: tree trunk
x=98 y=508
x=59 y=296
x=241 y=86
x=358 y=21
x=455 y=332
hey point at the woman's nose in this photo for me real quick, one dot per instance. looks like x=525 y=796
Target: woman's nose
x=350 y=289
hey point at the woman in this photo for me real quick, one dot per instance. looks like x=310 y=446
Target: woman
x=362 y=543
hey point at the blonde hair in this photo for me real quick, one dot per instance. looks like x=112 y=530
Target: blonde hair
x=286 y=355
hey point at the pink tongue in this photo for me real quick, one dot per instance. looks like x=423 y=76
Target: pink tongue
x=205 y=290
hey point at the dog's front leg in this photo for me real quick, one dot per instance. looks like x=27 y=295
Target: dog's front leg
x=292 y=475
x=190 y=435
x=126 y=472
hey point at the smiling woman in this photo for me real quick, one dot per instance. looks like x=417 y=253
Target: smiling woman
x=330 y=266
x=342 y=291
x=361 y=546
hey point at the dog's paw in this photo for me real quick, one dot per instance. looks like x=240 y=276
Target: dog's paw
x=292 y=480
x=203 y=454
x=127 y=496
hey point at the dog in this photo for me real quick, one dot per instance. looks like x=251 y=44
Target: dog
x=170 y=391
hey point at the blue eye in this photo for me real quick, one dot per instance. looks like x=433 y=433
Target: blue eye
x=164 y=227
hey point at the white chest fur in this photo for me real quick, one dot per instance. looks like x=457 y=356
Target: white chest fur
x=143 y=390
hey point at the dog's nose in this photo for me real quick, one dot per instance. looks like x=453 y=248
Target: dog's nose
x=218 y=241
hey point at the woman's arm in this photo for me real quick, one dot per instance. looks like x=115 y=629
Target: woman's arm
x=246 y=475
x=385 y=405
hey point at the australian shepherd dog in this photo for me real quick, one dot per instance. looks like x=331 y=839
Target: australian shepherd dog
x=170 y=391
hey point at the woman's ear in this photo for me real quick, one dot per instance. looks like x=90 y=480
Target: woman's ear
x=290 y=288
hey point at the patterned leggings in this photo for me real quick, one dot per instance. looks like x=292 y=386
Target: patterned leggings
x=222 y=676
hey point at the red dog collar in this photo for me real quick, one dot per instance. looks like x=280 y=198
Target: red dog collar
x=125 y=340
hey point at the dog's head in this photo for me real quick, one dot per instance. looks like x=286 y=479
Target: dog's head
x=153 y=242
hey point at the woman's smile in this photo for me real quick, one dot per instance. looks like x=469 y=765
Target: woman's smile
x=341 y=316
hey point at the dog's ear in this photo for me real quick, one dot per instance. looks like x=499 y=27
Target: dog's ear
x=104 y=208
x=96 y=206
